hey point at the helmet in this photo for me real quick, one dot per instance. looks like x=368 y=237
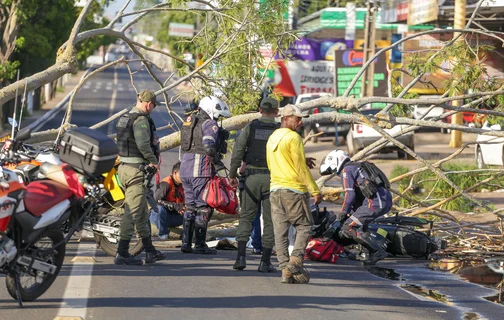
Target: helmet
x=214 y=107
x=334 y=162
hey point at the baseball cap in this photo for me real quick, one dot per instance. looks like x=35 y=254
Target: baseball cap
x=148 y=96
x=269 y=103
x=292 y=110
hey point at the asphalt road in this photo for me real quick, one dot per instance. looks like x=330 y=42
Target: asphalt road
x=90 y=286
x=109 y=92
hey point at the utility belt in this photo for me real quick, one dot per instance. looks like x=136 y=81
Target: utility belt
x=243 y=187
x=249 y=172
x=139 y=166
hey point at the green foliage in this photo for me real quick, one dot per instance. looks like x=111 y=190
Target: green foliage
x=427 y=183
x=8 y=70
x=42 y=30
x=402 y=110
x=235 y=56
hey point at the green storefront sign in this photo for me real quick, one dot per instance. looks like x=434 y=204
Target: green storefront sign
x=335 y=18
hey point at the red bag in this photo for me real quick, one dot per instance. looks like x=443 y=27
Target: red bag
x=323 y=250
x=219 y=195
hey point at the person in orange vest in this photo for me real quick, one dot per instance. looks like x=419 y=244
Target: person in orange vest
x=170 y=198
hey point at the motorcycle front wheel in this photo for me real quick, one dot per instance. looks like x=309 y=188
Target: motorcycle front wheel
x=33 y=283
x=110 y=247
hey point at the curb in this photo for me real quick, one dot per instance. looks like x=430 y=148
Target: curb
x=34 y=126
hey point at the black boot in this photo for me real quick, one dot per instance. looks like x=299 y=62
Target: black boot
x=187 y=234
x=265 y=265
x=151 y=254
x=240 y=262
x=376 y=251
x=123 y=256
x=200 y=246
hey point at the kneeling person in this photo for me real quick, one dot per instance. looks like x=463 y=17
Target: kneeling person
x=170 y=198
x=366 y=194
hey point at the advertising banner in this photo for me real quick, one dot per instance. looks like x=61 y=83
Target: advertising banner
x=296 y=77
x=312 y=49
x=349 y=63
x=422 y=11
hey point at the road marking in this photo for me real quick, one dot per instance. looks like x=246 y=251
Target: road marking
x=112 y=102
x=74 y=304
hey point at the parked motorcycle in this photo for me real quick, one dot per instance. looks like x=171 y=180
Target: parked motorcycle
x=106 y=218
x=32 y=245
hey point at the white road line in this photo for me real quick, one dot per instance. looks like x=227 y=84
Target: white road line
x=113 y=101
x=76 y=294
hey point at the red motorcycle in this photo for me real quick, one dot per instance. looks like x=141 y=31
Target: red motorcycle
x=32 y=242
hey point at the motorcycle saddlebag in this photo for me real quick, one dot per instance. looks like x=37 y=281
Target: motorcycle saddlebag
x=88 y=151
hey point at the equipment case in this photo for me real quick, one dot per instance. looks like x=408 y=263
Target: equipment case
x=88 y=151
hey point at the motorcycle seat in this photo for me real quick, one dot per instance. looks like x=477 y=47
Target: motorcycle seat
x=43 y=195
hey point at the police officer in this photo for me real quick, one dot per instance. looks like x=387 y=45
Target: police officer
x=250 y=147
x=203 y=143
x=137 y=149
x=366 y=194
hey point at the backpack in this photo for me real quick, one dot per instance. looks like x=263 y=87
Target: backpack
x=219 y=195
x=324 y=250
x=376 y=178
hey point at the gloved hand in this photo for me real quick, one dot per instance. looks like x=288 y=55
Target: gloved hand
x=179 y=207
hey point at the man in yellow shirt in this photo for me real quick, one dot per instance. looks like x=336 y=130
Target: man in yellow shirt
x=291 y=187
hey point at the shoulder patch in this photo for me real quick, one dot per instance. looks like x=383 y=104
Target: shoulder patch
x=189 y=119
x=215 y=128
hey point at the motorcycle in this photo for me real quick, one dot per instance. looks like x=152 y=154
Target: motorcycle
x=397 y=234
x=34 y=164
x=32 y=245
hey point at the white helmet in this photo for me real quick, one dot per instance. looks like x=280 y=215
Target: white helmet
x=334 y=162
x=214 y=107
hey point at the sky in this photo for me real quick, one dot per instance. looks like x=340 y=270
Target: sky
x=116 y=5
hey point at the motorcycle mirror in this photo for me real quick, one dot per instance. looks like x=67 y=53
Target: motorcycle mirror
x=24 y=134
x=13 y=122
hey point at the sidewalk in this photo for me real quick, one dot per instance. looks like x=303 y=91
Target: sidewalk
x=50 y=105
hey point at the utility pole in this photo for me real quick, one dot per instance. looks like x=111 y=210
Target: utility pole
x=459 y=23
x=367 y=87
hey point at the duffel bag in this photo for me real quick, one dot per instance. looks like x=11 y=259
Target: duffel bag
x=323 y=250
x=219 y=195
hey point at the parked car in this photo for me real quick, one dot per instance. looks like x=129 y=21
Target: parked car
x=470 y=119
x=328 y=128
x=360 y=136
x=423 y=109
x=491 y=153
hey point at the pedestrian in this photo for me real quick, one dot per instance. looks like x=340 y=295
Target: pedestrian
x=250 y=147
x=255 y=235
x=291 y=187
x=366 y=194
x=170 y=198
x=203 y=143
x=137 y=149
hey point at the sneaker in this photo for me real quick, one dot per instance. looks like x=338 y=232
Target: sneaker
x=298 y=271
x=287 y=276
x=256 y=251
x=163 y=237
